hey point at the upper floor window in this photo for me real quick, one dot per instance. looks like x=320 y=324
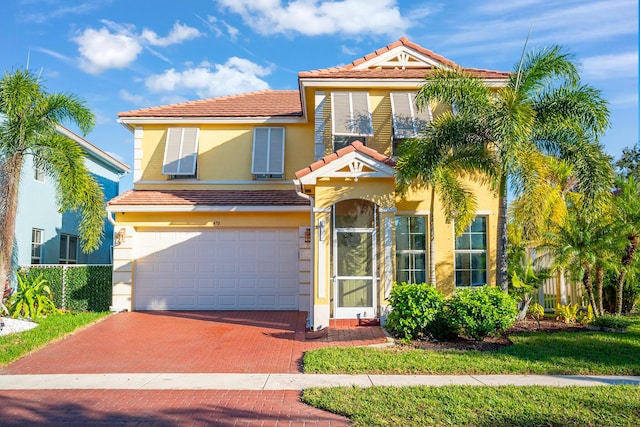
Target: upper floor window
x=37 y=239
x=268 y=153
x=38 y=170
x=411 y=249
x=68 y=249
x=181 y=152
x=350 y=114
x=471 y=254
x=408 y=121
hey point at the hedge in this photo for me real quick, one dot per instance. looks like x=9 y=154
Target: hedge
x=77 y=287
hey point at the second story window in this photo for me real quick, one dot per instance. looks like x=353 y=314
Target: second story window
x=38 y=170
x=268 y=153
x=350 y=118
x=181 y=152
x=68 y=249
x=408 y=121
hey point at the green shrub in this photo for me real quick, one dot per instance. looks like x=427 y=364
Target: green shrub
x=32 y=298
x=415 y=308
x=77 y=287
x=481 y=312
x=567 y=313
x=610 y=321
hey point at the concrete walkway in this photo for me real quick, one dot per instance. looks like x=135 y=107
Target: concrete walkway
x=208 y=381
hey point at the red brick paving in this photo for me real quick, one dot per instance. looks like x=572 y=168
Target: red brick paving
x=191 y=342
x=160 y=408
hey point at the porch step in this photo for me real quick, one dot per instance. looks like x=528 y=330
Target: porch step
x=352 y=323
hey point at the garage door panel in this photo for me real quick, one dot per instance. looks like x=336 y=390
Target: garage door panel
x=217 y=270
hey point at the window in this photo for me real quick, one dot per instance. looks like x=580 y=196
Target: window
x=37 y=238
x=471 y=254
x=350 y=116
x=408 y=122
x=68 y=249
x=268 y=153
x=411 y=254
x=181 y=153
x=38 y=170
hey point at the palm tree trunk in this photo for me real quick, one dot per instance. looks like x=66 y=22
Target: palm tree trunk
x=432 y=240
x=599 y=284
x=632 y=247
x=9 y=187
x=586 y=281
x=502 y=278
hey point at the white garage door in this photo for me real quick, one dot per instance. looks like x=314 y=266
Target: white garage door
x=217 y=270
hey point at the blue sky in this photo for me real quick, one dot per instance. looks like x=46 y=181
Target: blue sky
x=122 y=55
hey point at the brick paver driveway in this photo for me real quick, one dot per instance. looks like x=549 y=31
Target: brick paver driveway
x=177 y=342
x=187 y=342
x=166 y=408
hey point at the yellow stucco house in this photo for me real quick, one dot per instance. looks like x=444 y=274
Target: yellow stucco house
x=285 y=199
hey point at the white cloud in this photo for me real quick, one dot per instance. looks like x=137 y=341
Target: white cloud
x=235 y=76
x=626 y=100
x=101 y=50
x=178 y=34
x=496 y=25
x=316 y=17
x=118 y=45
x=611 y=67
x=134 y=99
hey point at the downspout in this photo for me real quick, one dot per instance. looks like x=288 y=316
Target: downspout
x=312 y=264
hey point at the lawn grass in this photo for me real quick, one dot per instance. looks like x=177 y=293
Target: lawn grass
x=559 y=353
x=50 y=328
x=481 y=405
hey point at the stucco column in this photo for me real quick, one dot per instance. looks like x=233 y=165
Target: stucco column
x=387 y=244
x=122 y=278
x=322 y=279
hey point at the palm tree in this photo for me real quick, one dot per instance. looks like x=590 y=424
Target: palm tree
x=542 y=109
x=627 y=206
x=584 y=245
x=28 y=119
x=439 y=162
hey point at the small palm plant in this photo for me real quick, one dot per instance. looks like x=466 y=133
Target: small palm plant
x=32 y=299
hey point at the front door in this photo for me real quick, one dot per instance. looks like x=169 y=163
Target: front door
x=354 y=260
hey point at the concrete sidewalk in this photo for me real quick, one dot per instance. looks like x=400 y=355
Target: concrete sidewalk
x=208 y=381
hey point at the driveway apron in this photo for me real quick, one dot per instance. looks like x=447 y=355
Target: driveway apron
x=188 y=342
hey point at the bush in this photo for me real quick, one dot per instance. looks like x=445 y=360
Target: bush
x=482 y=311
x=32 y=298
x=610 y=321
x=415 y=309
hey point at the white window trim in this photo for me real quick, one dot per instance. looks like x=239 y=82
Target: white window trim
x=271 y=169
x=38 y=170
x=40 y=244
x=181 y=154
x=413 y=251
x=472 y=251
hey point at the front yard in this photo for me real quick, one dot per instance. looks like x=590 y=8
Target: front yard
x=584 y=352
x=558 y=353
x=49 y=329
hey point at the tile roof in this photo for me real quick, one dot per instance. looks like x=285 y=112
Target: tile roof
x=208 y=198
x=355 y=146
x=351 y=70
x=267 y=103
x=388 y=73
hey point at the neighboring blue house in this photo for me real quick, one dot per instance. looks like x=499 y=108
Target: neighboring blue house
x=45 y=236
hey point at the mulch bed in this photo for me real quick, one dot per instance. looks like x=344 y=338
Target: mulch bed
x=494 y=343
